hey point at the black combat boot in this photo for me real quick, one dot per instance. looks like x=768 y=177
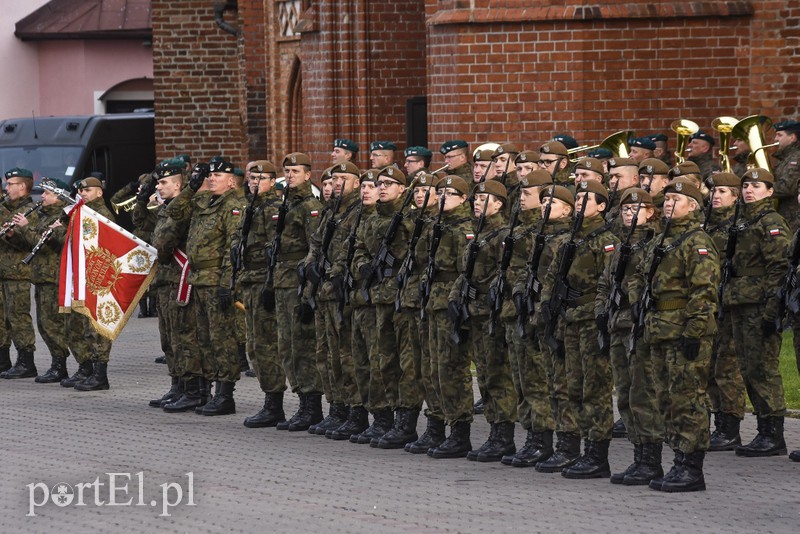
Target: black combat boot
x=768 y=442
x=56 y=373
x=311 y=415
x=205 y=395
x=593 y=463
x=619 y=430
x=98 y=381
x=357 y=422
x=477 y=408
x=457 y=444
x=160 y=359
x=24 y=368
x=5 y=359
x=508 y=459
x=649 y=467
x=143 y=308
x=473 y=454
x=541 y=448
x=222 y=403
x=567 y=453
x=152 y=300
x=404 y=430
x=677 y=467
x=382 y=421
x=795 y=456
x=84 y=371
x=191 y=398
x=337 y=415
x=690 y=478
x=270 y=415
x=172 y=395
x=726 y=434
x=431 y=438
x=503 y=444
x=617 y=478
x=301 y=408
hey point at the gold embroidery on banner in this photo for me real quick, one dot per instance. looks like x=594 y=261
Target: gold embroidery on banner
x=102 y=271
x=89 y=227
x=139 y=262
x=108 y=313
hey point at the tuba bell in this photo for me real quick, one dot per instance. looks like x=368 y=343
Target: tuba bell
x=685 y=129
x=724 y=125
x=752 y=129
x=616 y=143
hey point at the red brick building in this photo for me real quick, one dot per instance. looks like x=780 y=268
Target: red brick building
x=299 y=73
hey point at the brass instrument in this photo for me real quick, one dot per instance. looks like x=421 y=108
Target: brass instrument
x=437 y=171
x=126 y=205
x=685 y=129
x=616 y=143
x=724 y=125
x=752 y=129
x=8 y=226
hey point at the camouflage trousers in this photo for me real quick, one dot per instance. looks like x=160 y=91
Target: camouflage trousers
x=565 y=419
x=85 y=343
x=396 y=359
x=589 y=381
x=366 y=371
x=412 y=385
x=17 y=324
x=636 y=395
x=51 y=324
x=759 y=361
x=490 y=355
x=186 y=351
x=681 y=385
x=322 y=356
x=216 y=335
x=428 y=373
x=166 y=308
x=725 y=385
x=340 y=353
x=239 y=319
x=453 y=379
x=529 y=370
x=262 y=344
x=296 y=343
x=796 y=339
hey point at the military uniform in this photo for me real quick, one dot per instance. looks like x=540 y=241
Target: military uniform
x=707 y=164
x=144 y=221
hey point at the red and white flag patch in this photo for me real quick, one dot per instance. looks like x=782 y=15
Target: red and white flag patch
x=774 y=231
x=315 y=213
x=702 y=251
x=236 y=212
x=609 y=248
x=470 y=237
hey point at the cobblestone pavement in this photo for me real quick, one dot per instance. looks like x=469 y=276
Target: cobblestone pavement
x=246 y=480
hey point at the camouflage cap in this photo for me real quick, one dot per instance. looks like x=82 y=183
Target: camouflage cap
x=454 y=182
x=682 y=169
x=613 y=163
x=684 y=186
x=18 y=171
x=346 y=144
x=558 y=191
x=566 y=140
x=527 y=156
x=758 y=175
x=296 y=158
x=382 y=145
x=169 y=167
x=536 y=178
x=395 y=174
x=590 y=164
x=554 y=147
x=483 y=155
x=493 y=187
x=703 y=137
x=653 y=166
x=449 y=146
x=263 y=166
x=505 y=148
x=591 y=186
x=642 y=142
x=220 y=164
x=726 y=179
x=346 y=167
x=636 y=195
x=420 y=151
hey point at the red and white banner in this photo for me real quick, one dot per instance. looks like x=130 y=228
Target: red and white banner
x=105 y=270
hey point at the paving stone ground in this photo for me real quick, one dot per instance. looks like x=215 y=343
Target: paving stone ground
x=249 y=480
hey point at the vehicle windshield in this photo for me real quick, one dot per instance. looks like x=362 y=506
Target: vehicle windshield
x=56 y=162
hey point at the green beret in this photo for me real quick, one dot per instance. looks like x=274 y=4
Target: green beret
x=296 y=158
x=483 y=155
x=658 y=137
x=382 y=145
x=527 y=156
x=346 y=144
x=20 y=172
x=220 y=164
x=600 y=153
x=726 y=179
x=558 y=191
x=684 y=186
x=505 y=148
x=758 y=175
x=590 y=164
x=237 y=171
x=346 y=167
x=643 y=142
x=787 y=126
x=280 y=186
x=682 y=169
x=263 y=166
x=420 y=151
x=536 y=178
x=554 y=147
x=653 y=166
x=185 y=158
x=449 y=146
x=613 y=163
x=169 y=167
x=493 y=187
x=393 y=173
x=566 y=140
x=591 y=186
x=703 y=137
x=58 y=184
x=636 y=195
x=454 y=182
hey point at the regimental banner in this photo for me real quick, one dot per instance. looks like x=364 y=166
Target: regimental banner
x=105 y=270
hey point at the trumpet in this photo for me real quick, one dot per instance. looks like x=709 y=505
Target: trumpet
x=752 y=129
x=685 y=129
x=724 y=125
x=616 y=143
x=125 y=205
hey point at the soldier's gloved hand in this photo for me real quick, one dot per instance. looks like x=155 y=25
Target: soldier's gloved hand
x=520 y=304
x=312 y=273
x=453 y=311
x=301 y=273
x=305 y=313
x=691 y=348
x=234 y=255
x=199 y=173
x=268 y=299
x=365 y=271
x=147 y=190
x=338 y=286
x=491 y=295
x=635 y=312
x=768 y=327
x=545 y=311
x=225 y=298
x=602 y=323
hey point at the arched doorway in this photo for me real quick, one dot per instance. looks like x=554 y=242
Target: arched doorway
x=126 y=97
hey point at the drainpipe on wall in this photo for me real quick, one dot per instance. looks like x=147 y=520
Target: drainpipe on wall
x=219 y=10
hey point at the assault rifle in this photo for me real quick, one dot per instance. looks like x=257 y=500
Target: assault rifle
x=433 y=247
x=726 y=271
x=237 y=253
x=788 y=293
x=274 y=248
x=533 y=287
x=322 y=263
x=343 y=298
x=498 y=289
x=410 y=261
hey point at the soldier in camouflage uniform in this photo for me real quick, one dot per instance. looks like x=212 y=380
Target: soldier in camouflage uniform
x=623 y=173
x=296 y=337
x=526 y=162
x=554 y=158
x=456 y=157
x=418 y=158
x=506 y=173
x=700 y=150
x=401 y=392
x=588 y=370
x=740 y=156
x=758 y=265
x=653 y=178
x=725 y=387
x=641 y=148
x=44 y=274
x=450 y=374
x=662 y=151
x=15 y=278
x=679 y=326
x=482 y=168
x=343 y=150
x=632 y=371
x=381 y=154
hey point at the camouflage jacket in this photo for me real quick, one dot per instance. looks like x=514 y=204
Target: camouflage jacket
x=707 y=164
x=787 y=179
x=490 y=246
x=739 y=163
x=168 y=234
x=464 y=171
x=368 y=243
x=339 y=266
x=456 y=232
x=760 y=259
x=684 y=285
x=144 y=220
x=262 y=232
x=410 y=297
x=594 y=247
x=213 y=223
x=15 y=247
x=718 y=224
x=516 y=274
x=302 y=221
x=45 y=265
